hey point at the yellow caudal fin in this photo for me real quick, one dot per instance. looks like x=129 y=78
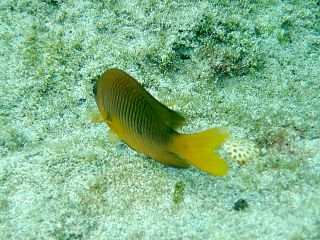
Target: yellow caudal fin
x=199 y=150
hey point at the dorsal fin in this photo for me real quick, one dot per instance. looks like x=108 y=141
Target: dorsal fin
x=171 y=118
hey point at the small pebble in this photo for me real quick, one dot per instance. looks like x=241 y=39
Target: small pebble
x=240 y=204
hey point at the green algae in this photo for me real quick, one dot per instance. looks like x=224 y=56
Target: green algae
x=178 y=193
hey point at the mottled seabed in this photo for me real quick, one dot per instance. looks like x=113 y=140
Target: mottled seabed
x=250 y=65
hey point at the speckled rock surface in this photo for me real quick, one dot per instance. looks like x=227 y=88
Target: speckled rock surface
x=250 y=66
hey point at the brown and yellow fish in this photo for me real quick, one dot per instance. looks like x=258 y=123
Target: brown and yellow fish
x=148 y=126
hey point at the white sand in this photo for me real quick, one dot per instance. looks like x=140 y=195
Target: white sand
x=251 y=66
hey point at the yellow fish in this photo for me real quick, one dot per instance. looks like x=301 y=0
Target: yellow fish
x=148 y=126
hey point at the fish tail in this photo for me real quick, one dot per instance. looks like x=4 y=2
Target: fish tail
x=199 y=149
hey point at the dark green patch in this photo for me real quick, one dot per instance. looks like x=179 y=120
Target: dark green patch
x=11 y=139
x=228 y=46
x=241 y=204
x=4 y=204
x=53 y=2
x=178 y=192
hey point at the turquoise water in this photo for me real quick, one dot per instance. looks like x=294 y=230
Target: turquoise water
x=250 y=66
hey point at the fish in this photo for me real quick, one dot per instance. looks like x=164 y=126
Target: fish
x=148 y=126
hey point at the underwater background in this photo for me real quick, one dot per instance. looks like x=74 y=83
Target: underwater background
x=252 y=66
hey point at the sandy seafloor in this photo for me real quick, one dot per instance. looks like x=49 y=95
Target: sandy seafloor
x=250 y=65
